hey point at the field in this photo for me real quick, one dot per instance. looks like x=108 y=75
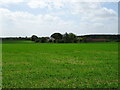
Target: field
x=83 y=65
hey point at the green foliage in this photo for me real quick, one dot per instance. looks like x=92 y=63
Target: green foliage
x=56 y=36
x=43 y=40
x=70 y=38
x=66 y=38
x=34 y=38
x=85 y=65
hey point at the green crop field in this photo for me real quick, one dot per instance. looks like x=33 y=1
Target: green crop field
x=81 y=65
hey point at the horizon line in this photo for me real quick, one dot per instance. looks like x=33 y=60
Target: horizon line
x=62 y=34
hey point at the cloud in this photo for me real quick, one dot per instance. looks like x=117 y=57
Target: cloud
x=50 y=4
x=83 y=18
x=59 y=3
x=86 y=10
x=6 y=2
x=37 y=4
x=24 y=23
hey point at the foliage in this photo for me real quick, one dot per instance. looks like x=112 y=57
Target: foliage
x=56 y=36
x=70 y=38
x=43 y=40
x=67 y=38
x=34 y=37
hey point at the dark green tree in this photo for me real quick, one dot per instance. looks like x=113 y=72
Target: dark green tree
x=72 y=37
x=66 y=38
x=69 y=38
x=34 y=38
x=57 y=37
x=43 y=40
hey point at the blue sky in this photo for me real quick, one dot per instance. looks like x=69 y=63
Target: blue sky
x=111 y=5
x=44 y=17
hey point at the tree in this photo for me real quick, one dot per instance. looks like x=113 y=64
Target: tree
x=43 y=39
x=69 y=38
x=66 y=38
x=50 y=41
x=34 y=38
x=72 y=37
x=57 y=36
x=37 y=40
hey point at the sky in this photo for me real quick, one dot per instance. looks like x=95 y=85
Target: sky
x=45 y=17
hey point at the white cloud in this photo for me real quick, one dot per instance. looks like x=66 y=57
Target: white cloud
x=49 y=3
x=37 y=4
x=86 y=10
x=23 y=23
x=59 y=3
x=6 y=2
x=46 y=4
x=93 y=12
x=93 y=18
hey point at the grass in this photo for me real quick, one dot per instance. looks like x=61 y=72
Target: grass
x=83 y=65
x=16 y=42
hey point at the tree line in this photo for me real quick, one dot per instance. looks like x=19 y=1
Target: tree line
x=68 y=38
x=72 y=38
x=57 y=38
